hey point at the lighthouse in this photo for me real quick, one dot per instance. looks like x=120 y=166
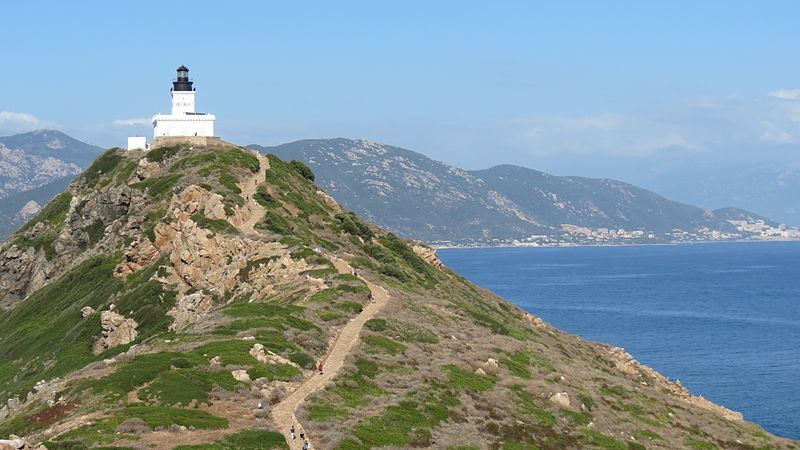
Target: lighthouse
x=184 y=120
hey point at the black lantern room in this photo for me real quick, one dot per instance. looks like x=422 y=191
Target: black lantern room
x=183 y=83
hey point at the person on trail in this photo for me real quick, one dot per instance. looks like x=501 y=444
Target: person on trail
x=291 y=431
x=305 y=445
x=320 y=368
x=372 y=297
x=302 y=434
x=259 y=406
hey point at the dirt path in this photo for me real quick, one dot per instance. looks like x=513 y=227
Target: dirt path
x=284 y=412
x=248 y=215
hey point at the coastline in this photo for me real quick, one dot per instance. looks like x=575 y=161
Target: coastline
x=572 y=245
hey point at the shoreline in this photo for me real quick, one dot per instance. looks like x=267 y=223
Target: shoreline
x=742 y=241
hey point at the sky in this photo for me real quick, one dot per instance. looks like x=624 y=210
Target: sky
x=606 y=89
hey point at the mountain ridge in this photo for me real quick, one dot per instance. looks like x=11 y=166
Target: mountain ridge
x=418 y=197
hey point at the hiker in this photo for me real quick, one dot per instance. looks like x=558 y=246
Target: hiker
x=320 y=368
x=291 y=431
x=260 y=406
x=305 y=445
x=372 y=297
x=302 y=434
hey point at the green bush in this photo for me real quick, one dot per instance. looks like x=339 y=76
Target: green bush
x=221 y=158
x=276 y=223
x=382 y=344
x=104 y=164
x=393 y=270
x=462 y=379
x=158 y=186
x=302 y=169
x=351 y=224
x=158 y=155
x=215 y=225
x=263 y=198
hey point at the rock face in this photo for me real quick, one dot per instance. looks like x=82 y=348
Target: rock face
x=140 y=254
x=625 y=363
x=428 y=255
x=117 y=330
x=190 y=309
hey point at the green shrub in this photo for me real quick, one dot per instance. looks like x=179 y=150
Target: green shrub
x=462 y=379
x=380 y=344
x=221 y=158
x=95 y=231
x=351 y=224
x=376 y=324
x=158 y=155
x=104 y=164
x=394 y=271
x=303 y=360
x=283 y=372
x=263 y=198
x=215 y=225
x=302 y=169
x=276 y=223
x=183 y=386
x=158 y=186
x=229 y=181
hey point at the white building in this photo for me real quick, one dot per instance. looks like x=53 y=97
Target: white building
x=184 y=120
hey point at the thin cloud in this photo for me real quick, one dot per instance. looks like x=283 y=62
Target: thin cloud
x=17 y=118
x=130 y=122
x=787 y=94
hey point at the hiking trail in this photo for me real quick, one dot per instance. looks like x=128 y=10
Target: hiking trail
x=283 y=414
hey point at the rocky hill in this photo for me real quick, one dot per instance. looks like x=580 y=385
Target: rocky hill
x=34 y=167
x=417 y=197
x=185 y=298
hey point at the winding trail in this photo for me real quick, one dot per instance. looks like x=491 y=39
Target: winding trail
x=251 y=213
x=283 y=414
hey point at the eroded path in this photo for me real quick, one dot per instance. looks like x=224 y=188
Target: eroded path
x=251 y=213
x=284 y=412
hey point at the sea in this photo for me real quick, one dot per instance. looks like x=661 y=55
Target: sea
x=723 y=318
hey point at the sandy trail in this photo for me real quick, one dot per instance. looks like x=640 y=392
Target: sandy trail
x=251 y=213
x=284 y=412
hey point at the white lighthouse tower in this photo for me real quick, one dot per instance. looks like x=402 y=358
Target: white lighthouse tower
x=184 y=120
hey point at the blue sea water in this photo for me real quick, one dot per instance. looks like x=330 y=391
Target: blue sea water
x=722 y=318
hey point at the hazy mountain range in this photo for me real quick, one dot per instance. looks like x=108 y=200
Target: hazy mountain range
x=418 y=197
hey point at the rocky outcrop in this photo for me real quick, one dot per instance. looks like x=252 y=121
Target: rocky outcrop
x=624 y=362
x=190 y=309
x=428 y=255
x=205 y=260
x=561 y=399
x=267 y=357
x=146 y=169
x=140 y=254
x=117 y=330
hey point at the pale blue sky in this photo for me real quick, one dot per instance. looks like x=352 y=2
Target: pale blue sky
x=586 y=88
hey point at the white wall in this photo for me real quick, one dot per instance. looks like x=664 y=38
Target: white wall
x=137 y=143
x=183 y=102
x=183 y=125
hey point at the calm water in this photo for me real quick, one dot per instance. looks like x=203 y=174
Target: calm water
x=724 y=319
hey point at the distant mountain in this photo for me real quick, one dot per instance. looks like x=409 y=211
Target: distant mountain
x=35 y=166
x=11 y=207
x=429 y=200
x=769 y=189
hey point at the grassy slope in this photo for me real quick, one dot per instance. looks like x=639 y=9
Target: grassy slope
x=412 y=382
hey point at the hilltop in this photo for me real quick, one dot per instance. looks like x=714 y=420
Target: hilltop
x=415 y=196
x=167 y=294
